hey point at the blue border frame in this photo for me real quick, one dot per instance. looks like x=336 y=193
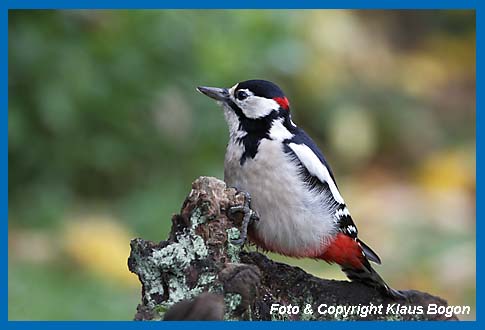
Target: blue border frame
x=5 y=5
x=269 y=4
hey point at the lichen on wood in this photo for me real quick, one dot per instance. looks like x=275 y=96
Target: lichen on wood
x=199 y=266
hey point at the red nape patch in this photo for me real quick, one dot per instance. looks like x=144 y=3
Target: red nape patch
x=345 y=251
x=283 y=102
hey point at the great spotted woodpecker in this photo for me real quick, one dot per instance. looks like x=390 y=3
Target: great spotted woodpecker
x=292 y=188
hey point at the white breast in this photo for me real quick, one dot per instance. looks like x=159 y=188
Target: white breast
x=293 y=220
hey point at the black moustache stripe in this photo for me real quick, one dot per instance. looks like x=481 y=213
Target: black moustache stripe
x=257 y=129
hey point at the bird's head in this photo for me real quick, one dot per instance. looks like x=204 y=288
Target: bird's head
x=251 y=104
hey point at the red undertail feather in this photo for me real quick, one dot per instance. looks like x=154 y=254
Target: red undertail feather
x=345 y=251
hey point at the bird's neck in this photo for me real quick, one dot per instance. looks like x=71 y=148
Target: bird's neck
x=249 y=134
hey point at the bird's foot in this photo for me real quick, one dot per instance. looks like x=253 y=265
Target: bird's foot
x=250 y=217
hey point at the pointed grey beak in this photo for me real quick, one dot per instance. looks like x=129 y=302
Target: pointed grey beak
x=218 y=94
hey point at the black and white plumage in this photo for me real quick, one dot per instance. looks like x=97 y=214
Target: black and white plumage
x=292 y=188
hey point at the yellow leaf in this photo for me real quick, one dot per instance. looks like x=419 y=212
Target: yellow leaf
x=101 y=245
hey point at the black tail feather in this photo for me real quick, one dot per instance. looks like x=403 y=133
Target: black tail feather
x=368 y=252
x=368 y=276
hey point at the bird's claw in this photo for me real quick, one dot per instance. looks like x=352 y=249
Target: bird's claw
x=250 y=216
x=244 y=209
x=239 y=241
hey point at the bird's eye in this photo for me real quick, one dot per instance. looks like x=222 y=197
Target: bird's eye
x=241 y=95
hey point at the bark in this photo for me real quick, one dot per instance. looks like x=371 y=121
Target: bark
x=198 y=274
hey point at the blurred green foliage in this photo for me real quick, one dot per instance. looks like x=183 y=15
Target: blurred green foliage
x=104 y=117
x=61 y=293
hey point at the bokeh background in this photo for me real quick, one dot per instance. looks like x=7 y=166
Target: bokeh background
x=106 y=134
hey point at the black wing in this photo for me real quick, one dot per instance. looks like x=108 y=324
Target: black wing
x=317 y=182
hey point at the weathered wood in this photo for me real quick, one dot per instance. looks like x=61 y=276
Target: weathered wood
x=199 y=257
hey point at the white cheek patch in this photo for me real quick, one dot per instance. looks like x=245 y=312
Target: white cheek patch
x=316 y=168
x=256 y=107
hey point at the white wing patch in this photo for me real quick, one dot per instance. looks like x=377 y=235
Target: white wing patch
x=316 y=168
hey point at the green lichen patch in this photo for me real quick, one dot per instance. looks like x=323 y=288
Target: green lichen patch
x=197 y=218
x=173 y=261
x=206 y=279
x=233 y=250
x=232 y=302
x=178 y=255
x=161 y=309
x=200 y=249
x=179 y=291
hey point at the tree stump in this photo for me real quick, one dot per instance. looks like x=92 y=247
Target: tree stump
x=199 y=274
